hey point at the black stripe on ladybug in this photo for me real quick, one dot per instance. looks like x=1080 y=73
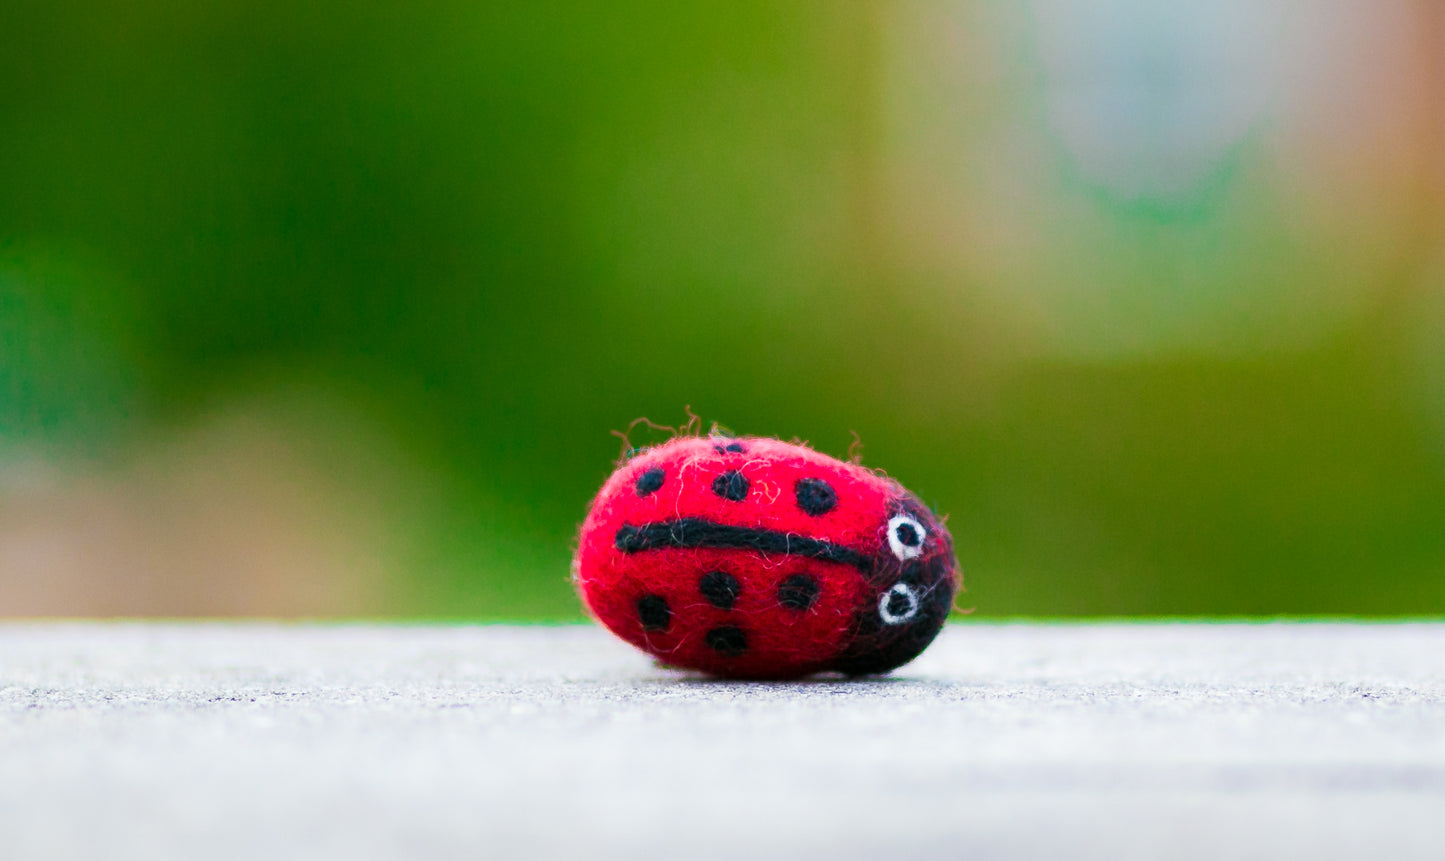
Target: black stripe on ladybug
x=697 y=532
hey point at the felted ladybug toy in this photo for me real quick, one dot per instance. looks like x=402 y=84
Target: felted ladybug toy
x=755 y=558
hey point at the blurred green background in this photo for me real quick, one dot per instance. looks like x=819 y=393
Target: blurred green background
x=328 y=308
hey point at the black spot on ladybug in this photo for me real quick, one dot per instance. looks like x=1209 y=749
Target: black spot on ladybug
x=798 y=592
x=650 y=481
x=720 y=588
x=653 y=612
x=727 y=641
x=731 y=485
x=729 y=447
x=815 y=496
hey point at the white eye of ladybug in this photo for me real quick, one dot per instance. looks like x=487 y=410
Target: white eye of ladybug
x=905 y=536
x=898 y=605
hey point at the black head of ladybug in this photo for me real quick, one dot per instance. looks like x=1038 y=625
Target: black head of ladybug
x=913 y=579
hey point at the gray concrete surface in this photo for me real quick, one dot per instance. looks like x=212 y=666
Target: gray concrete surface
x=218 y=740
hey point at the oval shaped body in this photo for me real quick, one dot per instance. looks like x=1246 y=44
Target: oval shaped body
x=755 y=558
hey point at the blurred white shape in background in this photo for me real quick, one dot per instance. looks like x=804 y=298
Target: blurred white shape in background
x=1148 y=98
x=251 y=510
x=1106 y=179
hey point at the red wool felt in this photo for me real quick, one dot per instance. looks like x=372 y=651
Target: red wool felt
x=756 y=558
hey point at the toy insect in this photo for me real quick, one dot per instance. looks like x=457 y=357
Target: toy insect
x=755 y=558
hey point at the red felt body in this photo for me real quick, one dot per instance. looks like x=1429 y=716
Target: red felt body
x=781 y=641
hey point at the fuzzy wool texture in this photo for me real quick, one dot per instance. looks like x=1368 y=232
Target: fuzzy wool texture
x=780 y=523
x=223 y=741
